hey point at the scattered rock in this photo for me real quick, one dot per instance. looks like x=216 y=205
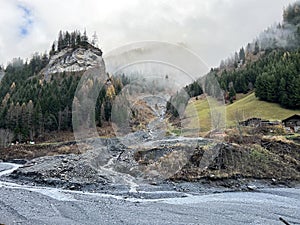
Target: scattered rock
x=71 y=171
x=252 y=187
x=177 y=159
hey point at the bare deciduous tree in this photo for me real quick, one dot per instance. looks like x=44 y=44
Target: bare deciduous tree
x=6 y=137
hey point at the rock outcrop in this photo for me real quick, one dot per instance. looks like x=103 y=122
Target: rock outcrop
x=74 y=60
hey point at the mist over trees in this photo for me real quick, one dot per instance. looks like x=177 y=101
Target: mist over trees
x=270 y=64
x=285 y=35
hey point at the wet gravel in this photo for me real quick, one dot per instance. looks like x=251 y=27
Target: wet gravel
x=46 y=206
x=151 y=203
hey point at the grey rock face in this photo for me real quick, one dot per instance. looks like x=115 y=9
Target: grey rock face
x=70 y=60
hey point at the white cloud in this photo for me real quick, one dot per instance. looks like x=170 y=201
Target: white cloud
x=211 y=28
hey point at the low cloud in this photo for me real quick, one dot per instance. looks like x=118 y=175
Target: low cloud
x=212 y=28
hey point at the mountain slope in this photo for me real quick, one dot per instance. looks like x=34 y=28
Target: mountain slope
x=36 y=97
x=251 y=106
x=244 y=108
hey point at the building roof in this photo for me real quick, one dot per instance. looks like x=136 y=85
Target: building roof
x=296 y=116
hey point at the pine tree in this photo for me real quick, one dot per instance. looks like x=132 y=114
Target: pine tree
x=236 y=59
x=283 y=98
x=52 y=51
x=107 y=109
x=30 y=125
x=78 y=38
x=248 y=49
x=261 y=87
x=67 y=39
x=242 y=55
x=60 y=41
x=232 y=94
x=84 y=39
x=256 y=48
x=73 y=39
x=272 y=93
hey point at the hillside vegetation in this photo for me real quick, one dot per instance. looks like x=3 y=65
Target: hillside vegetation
x=270 y=65
x=268 y=68
x=275 y=76
x=251 y=106
x=198 y=112
x=34 y=102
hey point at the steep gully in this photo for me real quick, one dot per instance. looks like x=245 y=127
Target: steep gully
x=115 y=164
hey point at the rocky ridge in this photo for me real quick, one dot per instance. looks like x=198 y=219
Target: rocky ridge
x=74 y=60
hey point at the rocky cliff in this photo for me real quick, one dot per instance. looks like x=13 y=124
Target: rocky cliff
x=73 y=60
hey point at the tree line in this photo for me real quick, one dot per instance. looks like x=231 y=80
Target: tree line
x=73 y=39
x=274 y=74
x=269 y=66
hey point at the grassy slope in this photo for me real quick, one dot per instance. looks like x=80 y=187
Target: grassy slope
x=247 y=107
x=197 y=115
x=250 y=106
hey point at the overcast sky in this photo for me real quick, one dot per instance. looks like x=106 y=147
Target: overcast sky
x=212 y=28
